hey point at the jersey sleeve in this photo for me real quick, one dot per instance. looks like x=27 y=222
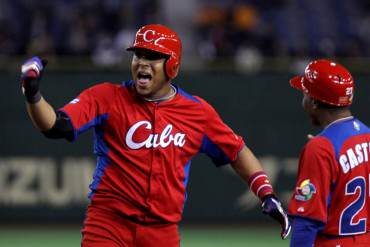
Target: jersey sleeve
x=90 y=108
x=315 y=178
x=304 y=232
x=219 y=142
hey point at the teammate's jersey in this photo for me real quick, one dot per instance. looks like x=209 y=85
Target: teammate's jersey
x=333 y=179
x=144 y=149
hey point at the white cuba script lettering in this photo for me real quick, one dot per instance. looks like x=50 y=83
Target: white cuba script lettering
x=154 y=140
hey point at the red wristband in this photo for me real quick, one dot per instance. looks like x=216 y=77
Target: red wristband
x=260 y=185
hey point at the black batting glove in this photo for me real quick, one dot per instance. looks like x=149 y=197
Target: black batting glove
x=30 y=78
x=272 y=207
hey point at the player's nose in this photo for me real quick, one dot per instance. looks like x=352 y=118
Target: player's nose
x=144 y=66
x=142 y=60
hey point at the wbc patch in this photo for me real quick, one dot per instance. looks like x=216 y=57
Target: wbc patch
x=74 y=101
x=305 y=191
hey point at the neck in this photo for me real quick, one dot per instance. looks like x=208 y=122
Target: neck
x=169 y=95
x=328 y=117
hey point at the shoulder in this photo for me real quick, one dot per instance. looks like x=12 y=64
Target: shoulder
x=103 y=87
x=204 y=104
x=197 y=102
x=318 y=141
x=208 y=109
x=187 y=96
x=194 y=100
x=102 y=91
x=319 y=145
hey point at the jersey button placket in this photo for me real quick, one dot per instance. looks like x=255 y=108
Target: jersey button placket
x=156 y=170
x=154 y=159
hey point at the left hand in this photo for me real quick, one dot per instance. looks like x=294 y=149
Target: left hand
x=272 y=206
x=31 y=74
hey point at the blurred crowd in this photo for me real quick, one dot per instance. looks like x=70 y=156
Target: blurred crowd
x=245 y=30
x=97 y=28
x=284 y=28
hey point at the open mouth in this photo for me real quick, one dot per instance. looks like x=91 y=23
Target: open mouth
x=143 y=76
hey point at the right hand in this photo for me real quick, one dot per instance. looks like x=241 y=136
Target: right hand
x=272 y=207
x=30 y=78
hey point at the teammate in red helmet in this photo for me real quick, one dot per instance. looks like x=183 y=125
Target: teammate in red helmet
x=331 y=202
x=147 y=130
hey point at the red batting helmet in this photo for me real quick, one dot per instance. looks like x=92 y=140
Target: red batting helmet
x=326 y=81
x=161 y=39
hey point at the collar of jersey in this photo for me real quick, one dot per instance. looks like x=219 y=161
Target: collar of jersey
x=130 y=83
x=340 y=120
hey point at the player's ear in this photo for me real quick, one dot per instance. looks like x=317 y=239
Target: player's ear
x=315 y=104
x=176 y=68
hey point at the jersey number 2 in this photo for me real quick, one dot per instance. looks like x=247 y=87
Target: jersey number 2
x=346 y=224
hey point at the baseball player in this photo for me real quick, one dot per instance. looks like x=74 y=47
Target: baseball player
x=331 y=202
x=146 y=132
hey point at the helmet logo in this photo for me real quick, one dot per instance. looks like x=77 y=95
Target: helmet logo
x=145 y=36
x=157 y=40
x=149 y=37
x=312 y=74
x=349 y=91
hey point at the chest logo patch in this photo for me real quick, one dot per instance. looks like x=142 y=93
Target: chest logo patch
x=163 y=139
x=305 y=191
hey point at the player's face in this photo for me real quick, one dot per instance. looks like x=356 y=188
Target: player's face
x=147 y=70
x=311 y=109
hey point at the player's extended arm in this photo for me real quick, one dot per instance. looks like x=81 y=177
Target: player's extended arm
x=41 y=112
x=250 y=170
x=247 y=164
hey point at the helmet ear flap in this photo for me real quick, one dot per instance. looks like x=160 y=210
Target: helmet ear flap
x=171 y=67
